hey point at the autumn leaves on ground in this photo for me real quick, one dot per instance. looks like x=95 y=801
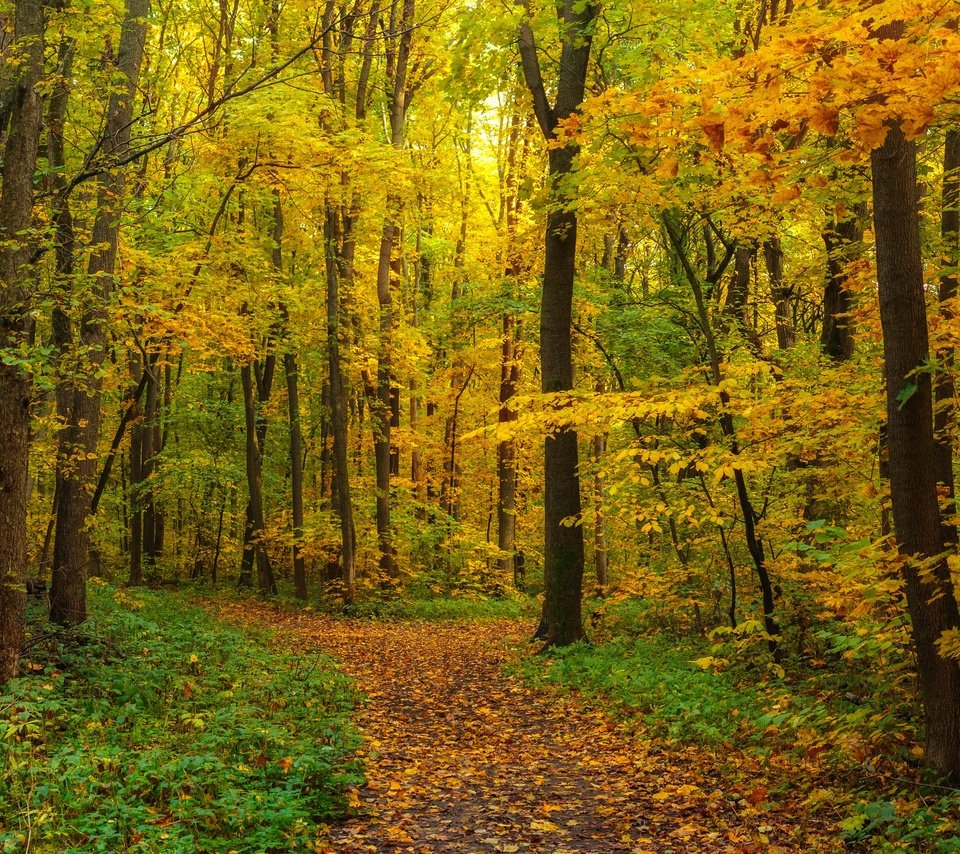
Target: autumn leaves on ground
x=463 y=758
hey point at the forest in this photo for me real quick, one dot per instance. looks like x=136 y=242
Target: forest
x=460 y=425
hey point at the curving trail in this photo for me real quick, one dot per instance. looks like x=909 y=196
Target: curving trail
x=461 y=758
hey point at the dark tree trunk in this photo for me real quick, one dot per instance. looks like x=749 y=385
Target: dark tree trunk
x=262 y=381
x=781 y=294
x=842 y=240
x=338 y=412
x=149 y=450
x=296 y=474
x=397 y=62
x=381 y=419
x=944 y=411
x=562 y=621
x=507 y=449
x=255 y=520
x=292 y=374
x=599 y=523
x=21 y=126
x=910 y=443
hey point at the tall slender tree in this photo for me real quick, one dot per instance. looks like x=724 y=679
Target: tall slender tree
x=561 y=622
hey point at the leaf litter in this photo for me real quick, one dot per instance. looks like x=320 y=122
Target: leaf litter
x=461 y=757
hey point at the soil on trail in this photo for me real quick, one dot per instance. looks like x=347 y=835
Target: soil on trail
x=461 y=758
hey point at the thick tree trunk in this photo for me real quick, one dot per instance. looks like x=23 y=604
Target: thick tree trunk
x=561 y=622
x=563 y=546
x=16 y=207
x=910 y=443
x=78 y=404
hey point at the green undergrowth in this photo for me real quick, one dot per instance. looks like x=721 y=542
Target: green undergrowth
x=438 y=609
x=645 y=680
x=155 y=728
x=401 y=604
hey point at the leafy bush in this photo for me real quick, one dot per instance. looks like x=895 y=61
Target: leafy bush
x=156 y=728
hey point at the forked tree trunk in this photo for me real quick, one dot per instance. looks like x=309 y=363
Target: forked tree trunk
x=561 y=622
x=910 y=442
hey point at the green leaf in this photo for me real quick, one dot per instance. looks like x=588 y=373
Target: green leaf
x=908 y=391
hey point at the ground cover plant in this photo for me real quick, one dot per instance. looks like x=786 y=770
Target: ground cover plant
x=155 y=728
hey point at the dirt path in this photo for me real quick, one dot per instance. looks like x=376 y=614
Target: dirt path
x=461 y=758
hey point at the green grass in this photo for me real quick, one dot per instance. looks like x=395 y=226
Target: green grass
x=156 y=728
x=647 y=680
x=438 y=609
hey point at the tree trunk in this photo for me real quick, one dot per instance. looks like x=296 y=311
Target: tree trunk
x=781 y=294
x=842 y=241
x=562 y=621
x=910 y=442
x=78 y=404
x=16 y=208
x=397 y=62
x=599 y=523
x=381 y=411
x=944 y=411
x=255 y=521
x=338 y=413
x=507 y=450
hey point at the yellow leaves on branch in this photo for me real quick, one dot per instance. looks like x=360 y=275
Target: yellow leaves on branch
x=823 y=71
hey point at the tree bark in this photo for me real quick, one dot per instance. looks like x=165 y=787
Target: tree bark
x=507 y=449
x=397 y=63
x=562 y=621
x=910 y=442
x=338 y=413
x=944 y=410
x=78 y=403
x=781 y=294
x=842 y=241
x=16 y=208
x=255 y=517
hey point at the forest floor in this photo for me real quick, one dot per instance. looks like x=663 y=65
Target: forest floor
x=461 y=757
